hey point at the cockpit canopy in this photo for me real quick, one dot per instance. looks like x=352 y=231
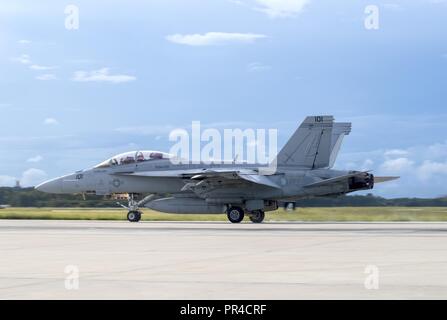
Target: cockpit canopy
x=133 y=157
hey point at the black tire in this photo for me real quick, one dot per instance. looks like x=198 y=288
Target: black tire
x=134 y=216
x=257 y=216
x=235 y=214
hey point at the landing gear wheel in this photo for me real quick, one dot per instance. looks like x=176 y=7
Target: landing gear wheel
x=134 y=216
x=235 y=214
x=257 y=216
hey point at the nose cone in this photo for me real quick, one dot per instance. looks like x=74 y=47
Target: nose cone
x=51 y=186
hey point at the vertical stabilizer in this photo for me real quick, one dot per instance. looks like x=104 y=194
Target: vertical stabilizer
x=310 y=145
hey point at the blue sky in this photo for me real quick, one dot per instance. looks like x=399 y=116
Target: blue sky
x=134 y=70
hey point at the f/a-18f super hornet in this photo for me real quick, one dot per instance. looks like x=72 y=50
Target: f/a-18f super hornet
x=302 y=170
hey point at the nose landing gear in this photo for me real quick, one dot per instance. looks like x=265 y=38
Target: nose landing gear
x=134 y=216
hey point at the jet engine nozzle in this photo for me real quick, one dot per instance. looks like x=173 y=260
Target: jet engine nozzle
x=364 y=181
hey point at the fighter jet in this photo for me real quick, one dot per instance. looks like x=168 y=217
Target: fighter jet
x=302 y=169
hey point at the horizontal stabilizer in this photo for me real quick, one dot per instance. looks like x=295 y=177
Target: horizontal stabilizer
x=384 y=179
x=326 y=182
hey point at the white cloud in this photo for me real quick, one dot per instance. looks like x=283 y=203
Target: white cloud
x=146 y=130
x=7 y=181
x=396 y=153
x=237 y=2
x=41 y=68
x=281 y=8
x=23 y=59
x=367 y=165
x=37 y=158
x=81 y=61
x=214 y=38
x=436 y=151
x=397 y=165
x=24 y=41
x=29 y=178
x=50 y=121
x=257 y=67
x=26 y=60
x=429 y=169
x=101 y=75
x=422 y=169
x=32 y=177
x=46 y=76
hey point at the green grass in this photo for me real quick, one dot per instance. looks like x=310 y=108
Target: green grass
x=301 y=214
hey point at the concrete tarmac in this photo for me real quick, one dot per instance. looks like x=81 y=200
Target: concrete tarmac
x=218 y=260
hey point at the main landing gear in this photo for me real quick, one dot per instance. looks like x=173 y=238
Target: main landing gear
x=257 y=216
x=236 y=215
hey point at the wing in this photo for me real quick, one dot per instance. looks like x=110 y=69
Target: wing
x=162 y=173
x=196 y=176
x=258 y=179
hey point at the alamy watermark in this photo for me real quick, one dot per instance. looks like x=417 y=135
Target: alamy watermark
x=209 y=146
x=372 y=278
x=72 y=17
x=372 y=21
x=72 y=277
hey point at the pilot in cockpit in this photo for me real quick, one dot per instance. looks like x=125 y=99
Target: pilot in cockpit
x=140 y=157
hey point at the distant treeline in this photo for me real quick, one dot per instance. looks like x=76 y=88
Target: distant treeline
x=371 y=201
x=28 y=197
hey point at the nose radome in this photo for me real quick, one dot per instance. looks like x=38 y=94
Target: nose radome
x=50 y=186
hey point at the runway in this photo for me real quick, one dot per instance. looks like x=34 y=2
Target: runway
x=189 y=260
